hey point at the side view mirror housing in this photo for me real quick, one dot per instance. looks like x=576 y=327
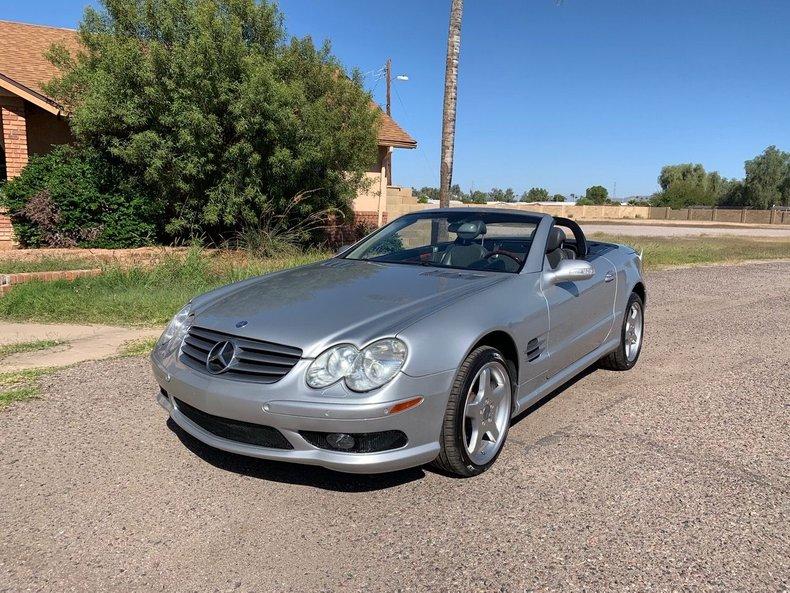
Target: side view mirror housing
x=570 y=270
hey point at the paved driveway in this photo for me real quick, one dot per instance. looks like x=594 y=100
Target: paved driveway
x=673 y=476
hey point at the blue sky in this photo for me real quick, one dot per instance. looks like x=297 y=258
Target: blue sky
x=560 y=96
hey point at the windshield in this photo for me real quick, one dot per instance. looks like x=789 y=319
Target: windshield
x=490 y=241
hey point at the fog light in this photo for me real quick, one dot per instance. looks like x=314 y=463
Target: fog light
x=340 y=440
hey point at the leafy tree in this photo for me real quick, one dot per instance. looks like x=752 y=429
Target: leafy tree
x=767 y=182
x=476 y=197
x=456 y=193
x=211 y=116
x=733 y=195
x=597 y=194
x=496 y=195
x=689 y=184
x=585 y=202
x=557 y=198
x=430 y=193
x=536 y=194
x=499 y=195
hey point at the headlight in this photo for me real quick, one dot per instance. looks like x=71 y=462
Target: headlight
x=363 y=370
x=331 y=366
x=377 y=364
x=175 y=331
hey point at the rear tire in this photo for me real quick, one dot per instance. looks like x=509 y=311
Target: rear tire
x=477 y=419
x=632 y=335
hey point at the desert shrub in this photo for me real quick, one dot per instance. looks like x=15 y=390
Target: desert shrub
x=70 y=197
x=363 y=228
x=278 y=234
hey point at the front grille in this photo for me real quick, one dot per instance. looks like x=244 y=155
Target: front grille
x=254 y=360
x=364 y=442
x=235 y=430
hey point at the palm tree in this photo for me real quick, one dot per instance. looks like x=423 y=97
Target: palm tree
x=450 y=97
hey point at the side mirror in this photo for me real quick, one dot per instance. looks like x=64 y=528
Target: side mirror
x=570 y=270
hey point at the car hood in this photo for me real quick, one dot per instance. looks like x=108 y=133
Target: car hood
x=316 y=306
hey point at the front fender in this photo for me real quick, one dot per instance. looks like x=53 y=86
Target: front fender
x=441 y=341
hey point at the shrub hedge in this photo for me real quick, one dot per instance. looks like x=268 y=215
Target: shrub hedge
x=71 y=198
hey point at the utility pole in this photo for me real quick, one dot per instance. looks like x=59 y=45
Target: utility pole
x=389 y=86
x=388 y=158
x=450 y=99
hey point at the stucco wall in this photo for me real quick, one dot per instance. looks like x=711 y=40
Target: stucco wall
x=367 y=199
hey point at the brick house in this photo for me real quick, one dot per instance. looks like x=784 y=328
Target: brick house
x=32 y=123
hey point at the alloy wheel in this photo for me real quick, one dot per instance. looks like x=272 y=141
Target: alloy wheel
x=487 y=412
x=633 y=331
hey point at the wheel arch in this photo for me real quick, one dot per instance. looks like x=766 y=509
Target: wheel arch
x=504 y=342
x=639 y=288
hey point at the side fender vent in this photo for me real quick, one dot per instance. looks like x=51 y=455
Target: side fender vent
x=535 y=348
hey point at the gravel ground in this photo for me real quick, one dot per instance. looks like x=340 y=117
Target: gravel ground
x=673 y=476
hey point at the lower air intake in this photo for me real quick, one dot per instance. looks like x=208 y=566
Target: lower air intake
x=235 y=430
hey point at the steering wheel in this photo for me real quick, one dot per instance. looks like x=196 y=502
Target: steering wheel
x=505 y=253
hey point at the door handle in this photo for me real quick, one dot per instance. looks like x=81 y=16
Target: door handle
x=609 y=277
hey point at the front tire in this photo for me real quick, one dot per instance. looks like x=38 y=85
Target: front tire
x=631 y=337
x=477 y=418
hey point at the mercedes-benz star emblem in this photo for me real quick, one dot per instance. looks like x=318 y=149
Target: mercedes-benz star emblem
x=220 y=357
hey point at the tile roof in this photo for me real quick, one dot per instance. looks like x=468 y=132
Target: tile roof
x=391 y=134
x=22 y=49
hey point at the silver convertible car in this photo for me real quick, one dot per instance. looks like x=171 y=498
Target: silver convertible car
x=418 y=344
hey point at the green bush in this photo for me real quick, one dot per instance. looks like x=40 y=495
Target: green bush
x=212 y=112
x=71 y=198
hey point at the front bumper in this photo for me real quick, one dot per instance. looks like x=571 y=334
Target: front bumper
x=290 y=406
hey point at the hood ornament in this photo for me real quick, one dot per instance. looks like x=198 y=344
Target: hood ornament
x=240 y=324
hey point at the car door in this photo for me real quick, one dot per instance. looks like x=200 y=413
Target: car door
x=581 y=313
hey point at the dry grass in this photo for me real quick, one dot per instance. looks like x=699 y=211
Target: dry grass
x=149 y=293
x=663 y=252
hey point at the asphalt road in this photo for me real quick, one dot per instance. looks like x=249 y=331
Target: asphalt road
x=673 y=476
x=648 y=230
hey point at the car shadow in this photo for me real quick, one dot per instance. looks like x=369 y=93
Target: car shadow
x=325 y=479
x=534 y=407
x=542 y=402
x=293 y=473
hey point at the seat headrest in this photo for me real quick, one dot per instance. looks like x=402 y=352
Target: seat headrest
x=556 y=239
x=469 y=230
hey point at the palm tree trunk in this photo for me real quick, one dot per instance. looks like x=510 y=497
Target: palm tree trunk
x=450 y=97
